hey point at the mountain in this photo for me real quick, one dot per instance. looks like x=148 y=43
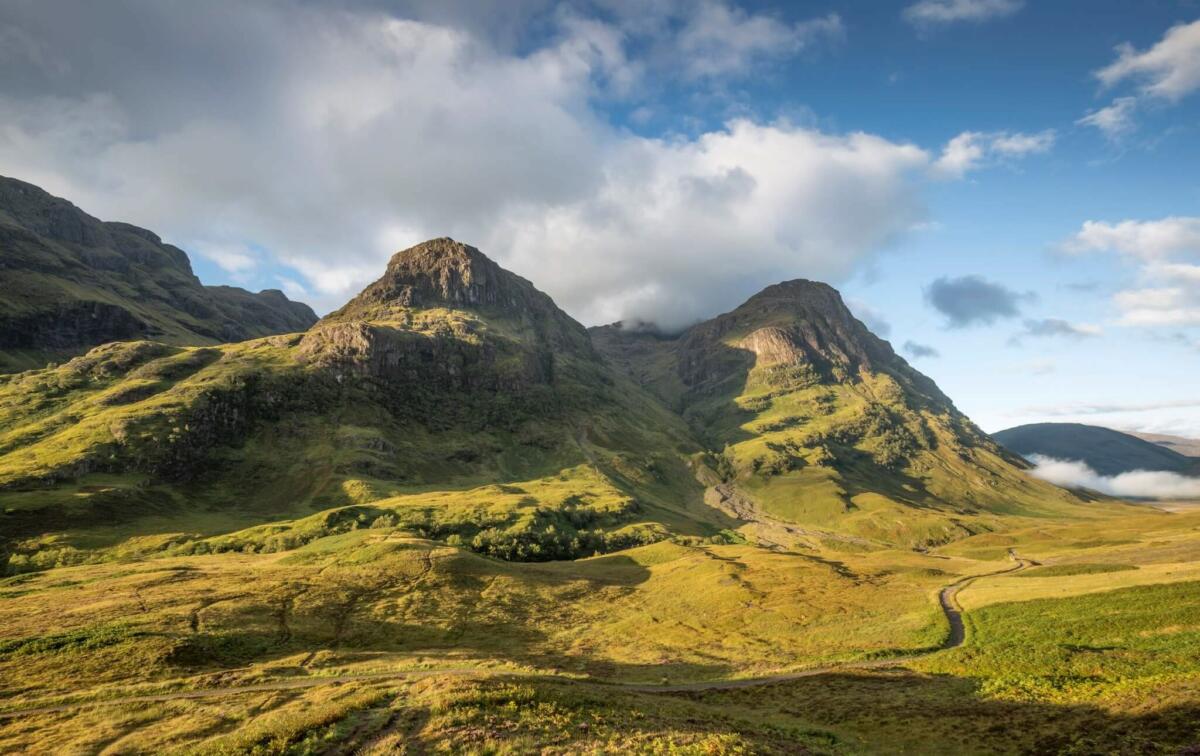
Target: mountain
x=72 y=282
x=815 y=420
x=1188 y=447
x=454 y=399
x=447 y=374
x=1106 y=451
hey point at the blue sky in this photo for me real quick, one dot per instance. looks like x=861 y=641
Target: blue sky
x=1032 y=163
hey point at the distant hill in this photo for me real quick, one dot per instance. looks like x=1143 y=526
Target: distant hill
x=1106 y=451
x=1189 y=447
x=72 y=282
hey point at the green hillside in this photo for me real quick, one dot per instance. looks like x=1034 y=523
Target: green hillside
x=815 y=420
x=461 y=379
x=447 y=518
x=1106 y=451
x=72 y=282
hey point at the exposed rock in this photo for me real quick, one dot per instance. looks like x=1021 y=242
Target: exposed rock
x=72 y=282
x=443 y=273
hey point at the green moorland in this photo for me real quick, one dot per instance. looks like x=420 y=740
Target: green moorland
x=446 y=519
x=377 y=639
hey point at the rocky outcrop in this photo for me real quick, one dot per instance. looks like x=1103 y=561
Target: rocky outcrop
x=70 y=325
x=433 y=362
x=72 y=281
x=443 y=273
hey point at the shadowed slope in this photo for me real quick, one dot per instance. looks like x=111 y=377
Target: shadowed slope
x=72 y=282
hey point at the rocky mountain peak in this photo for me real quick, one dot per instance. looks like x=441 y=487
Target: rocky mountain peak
x=795 y=321
x=444 y=273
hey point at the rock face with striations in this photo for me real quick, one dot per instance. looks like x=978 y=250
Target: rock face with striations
x=444 y=313
x=72 y=282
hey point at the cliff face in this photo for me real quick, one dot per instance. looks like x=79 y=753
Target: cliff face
x=443 y=274
x=72 y=282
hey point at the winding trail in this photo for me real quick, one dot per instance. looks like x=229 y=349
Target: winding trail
x=947 y=600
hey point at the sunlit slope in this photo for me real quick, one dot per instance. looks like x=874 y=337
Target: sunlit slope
x=462 y=377
x=821 y=423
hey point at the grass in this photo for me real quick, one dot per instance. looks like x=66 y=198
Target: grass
x=1081 y=568
x=187 y=519
x=1054 y=674
x=1101 y=646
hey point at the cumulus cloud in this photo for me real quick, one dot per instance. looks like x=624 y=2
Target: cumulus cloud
x=971 y=150
x=1115 y=120
x=971 y=300
x=327 y=138
x=939 y=12
x=1147 y=240
x=347 y=135
x=920 y=351
x=1166 y=253
x=1170 y=69
x=1141 y=484
x=676 y=228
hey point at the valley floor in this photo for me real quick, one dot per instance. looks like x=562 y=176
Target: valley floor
x=374 y=641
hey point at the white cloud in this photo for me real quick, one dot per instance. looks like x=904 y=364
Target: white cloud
x=1170 y=69
x=719 y=39
x=1159 y=306
x=1115 y=120
x=232 y=258
x=293 y=288
x=681 y=229
x=1143 y=484
x=931 y=12
x=1146 y=240
x=1161 y=249
x=331 y=138
x=972 y=150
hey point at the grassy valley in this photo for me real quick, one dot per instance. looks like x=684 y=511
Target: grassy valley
x=447 y=518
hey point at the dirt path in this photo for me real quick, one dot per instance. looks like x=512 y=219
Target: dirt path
x=947 y=599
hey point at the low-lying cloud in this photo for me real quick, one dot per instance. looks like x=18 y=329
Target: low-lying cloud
x=1140 y=484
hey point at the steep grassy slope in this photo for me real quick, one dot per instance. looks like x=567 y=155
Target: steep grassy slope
x=461 y=378
x=1106 y=451
x=72 y=282
x=821 y=423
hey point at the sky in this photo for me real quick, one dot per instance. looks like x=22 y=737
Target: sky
x=1007 y=190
